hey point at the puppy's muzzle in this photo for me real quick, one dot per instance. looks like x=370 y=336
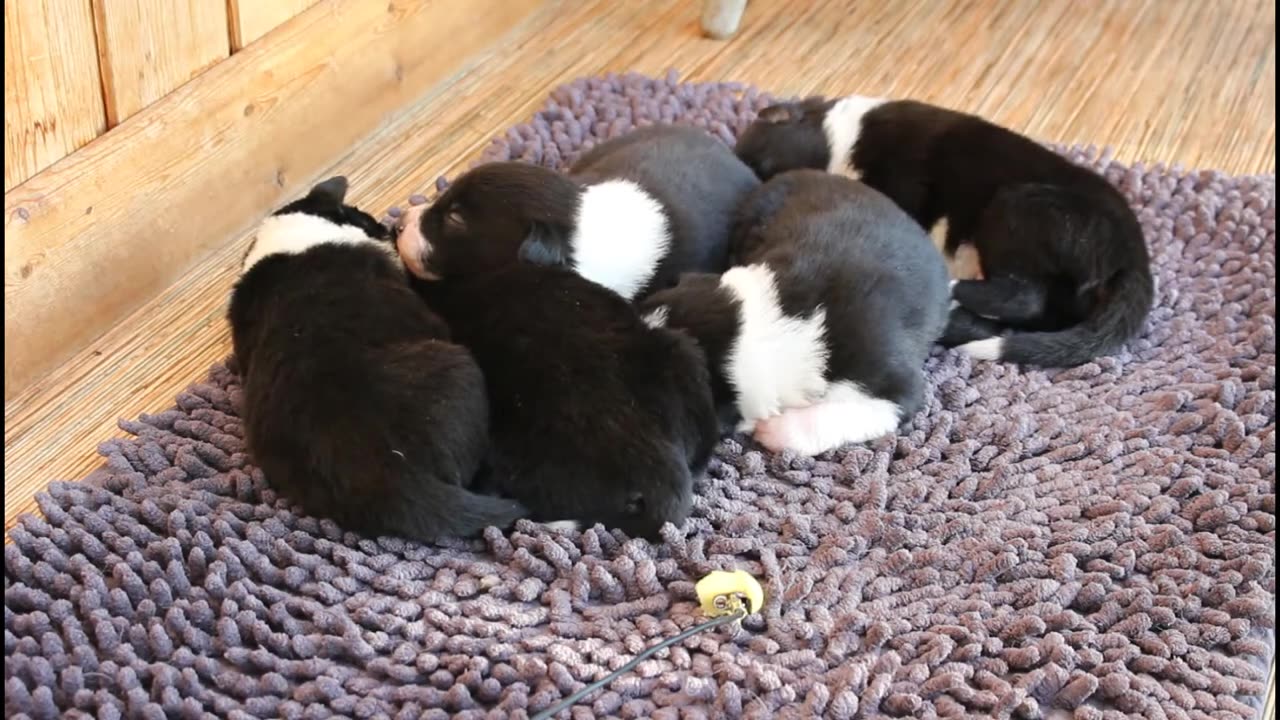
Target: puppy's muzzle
x=412 y=245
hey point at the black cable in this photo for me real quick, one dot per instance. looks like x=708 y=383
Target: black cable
x=574 y=698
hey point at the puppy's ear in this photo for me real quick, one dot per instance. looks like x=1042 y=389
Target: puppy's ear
x=781 y=113
x=545 y=245
x=335 y=188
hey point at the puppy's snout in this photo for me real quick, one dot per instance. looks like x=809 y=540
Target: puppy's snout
x=413 y=246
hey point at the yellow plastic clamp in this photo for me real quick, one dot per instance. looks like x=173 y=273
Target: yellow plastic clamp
x=723 y=592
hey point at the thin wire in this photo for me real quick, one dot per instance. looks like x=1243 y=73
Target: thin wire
x=574 y=698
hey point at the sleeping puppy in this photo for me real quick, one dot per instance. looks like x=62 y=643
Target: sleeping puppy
x=818 y=337
x=355 y=404
x=1051 y=264
x=632 y=214
x=596 y=417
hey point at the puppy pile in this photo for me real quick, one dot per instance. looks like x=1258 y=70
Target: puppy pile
x=570 y=348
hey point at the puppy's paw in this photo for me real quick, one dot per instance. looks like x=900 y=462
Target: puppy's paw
x=790 y=430
x=989 y=349
x=564 y=526
x=965 y=264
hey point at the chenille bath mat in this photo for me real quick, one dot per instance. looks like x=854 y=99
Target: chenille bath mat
x=1097 y=541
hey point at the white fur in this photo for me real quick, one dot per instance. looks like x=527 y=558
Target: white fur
x=564 y=526
x=621 y=235
x=988 y=349
x=657 y=317
x=951 y=289
x=295 y=233
x=965 y=264
x=843 y=125
x=939 y=235
x=846 y=414
x=777 y=361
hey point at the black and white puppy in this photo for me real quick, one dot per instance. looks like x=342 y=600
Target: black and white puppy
x=1050 y=261
x=819 y=335
x=595 y=416
x=355 y=404
x=632 y=214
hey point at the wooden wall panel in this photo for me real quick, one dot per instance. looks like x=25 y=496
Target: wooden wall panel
x=147 y=48
x=110 y=227
x=251 y=19
x=52 y=89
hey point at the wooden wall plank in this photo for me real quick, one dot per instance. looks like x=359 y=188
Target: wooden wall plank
x=251 y=19
x=52 y=89
x=147 y=48
x=104 y=230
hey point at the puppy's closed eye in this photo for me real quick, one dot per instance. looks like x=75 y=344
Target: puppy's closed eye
x=454 y=219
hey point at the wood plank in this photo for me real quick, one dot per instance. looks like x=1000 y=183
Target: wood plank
x=251 y=19
x=87 y=242
x=147 y=49
x=52 y=89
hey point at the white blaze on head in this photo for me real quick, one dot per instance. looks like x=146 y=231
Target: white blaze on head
x=295 y=233
x=843 y=126
x=620 y=236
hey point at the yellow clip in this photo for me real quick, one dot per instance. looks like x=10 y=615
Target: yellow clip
x=724 y=592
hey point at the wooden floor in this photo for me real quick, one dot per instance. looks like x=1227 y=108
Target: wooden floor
x=1174 y=81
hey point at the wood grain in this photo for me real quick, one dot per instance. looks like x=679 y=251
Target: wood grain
x=251 y=19
x=147 y=49
x=52 y=89
x=219 y=153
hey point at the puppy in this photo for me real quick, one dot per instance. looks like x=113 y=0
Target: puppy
x=595 y=416
x=356 y=405
x=1051 y=264
x=632 y=214
x=817 y=338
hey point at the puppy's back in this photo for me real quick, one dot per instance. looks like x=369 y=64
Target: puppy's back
x=586 y=400
x=355 y=404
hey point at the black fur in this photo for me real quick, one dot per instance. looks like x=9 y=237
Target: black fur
x=835 y=244
x=499 y=212
x=1066 y=268
x=356 y=406
x=595 y=416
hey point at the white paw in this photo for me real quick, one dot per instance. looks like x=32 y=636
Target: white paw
x=989 y=349
x=564 y=526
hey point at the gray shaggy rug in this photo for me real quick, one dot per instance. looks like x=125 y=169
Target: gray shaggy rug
x=1097 y=541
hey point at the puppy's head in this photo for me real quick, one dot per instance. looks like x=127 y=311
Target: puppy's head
x=492 y=216
x=320 y=217
x=786 y=136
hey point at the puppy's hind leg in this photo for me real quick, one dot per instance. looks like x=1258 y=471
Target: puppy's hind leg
x=846 y=414
x=1004 y=299
x=964 y=326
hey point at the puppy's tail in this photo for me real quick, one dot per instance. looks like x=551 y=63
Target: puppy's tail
x=1116 y=319
x=433 y=509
